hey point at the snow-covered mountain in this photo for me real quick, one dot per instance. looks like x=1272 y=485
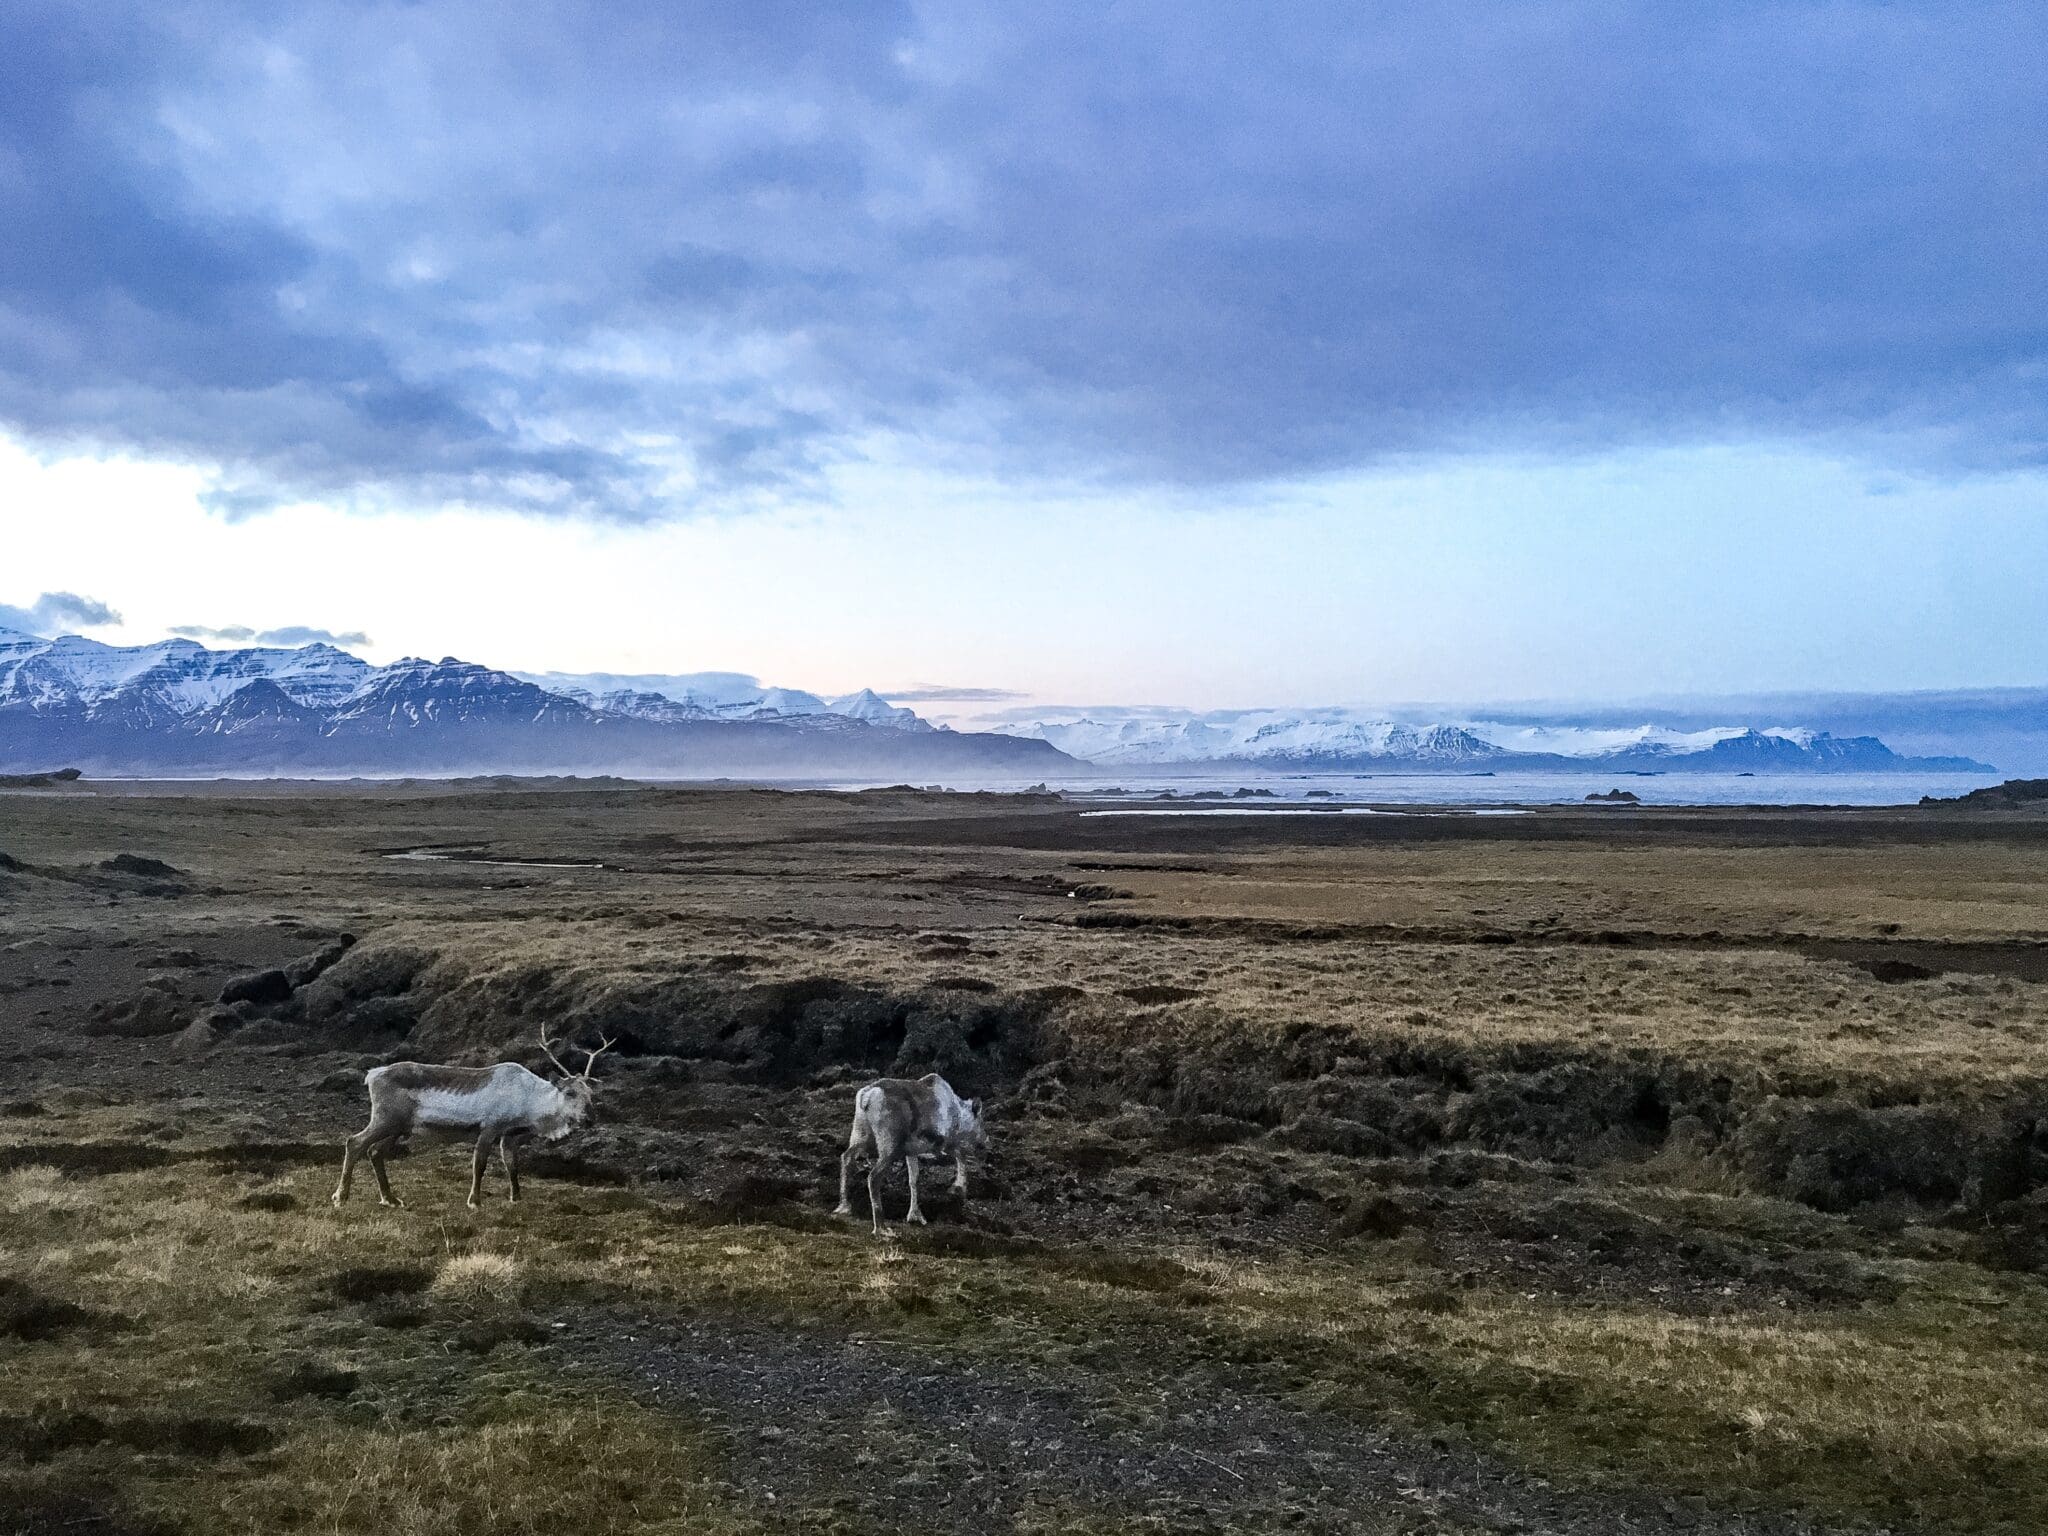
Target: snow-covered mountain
x=1340 y=740
x=1260 y=737
x=178 y=676
x=716 y=696
x=178 y=706
x=416 y=692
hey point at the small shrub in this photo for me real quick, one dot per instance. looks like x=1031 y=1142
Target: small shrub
x=374 y=1283
x=1377 y=1215
x=479 y=1336
x=313 y=1378
x=750 y=1195
x=29 y=1315
x=269 y=1200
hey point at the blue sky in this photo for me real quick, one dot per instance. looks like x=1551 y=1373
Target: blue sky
x=1199 y=354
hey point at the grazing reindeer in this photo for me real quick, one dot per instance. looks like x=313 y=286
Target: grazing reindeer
x=898 y=1118
x=506 y=1105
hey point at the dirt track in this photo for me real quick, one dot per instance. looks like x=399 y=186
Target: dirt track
x=910 y=1437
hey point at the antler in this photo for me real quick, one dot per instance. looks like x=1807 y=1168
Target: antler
x=593 y=1055
x=547 y=1051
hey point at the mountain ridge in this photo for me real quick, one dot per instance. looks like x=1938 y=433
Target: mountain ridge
x=179 y=708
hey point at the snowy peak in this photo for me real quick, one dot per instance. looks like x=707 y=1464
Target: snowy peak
x=718 y=696
x=178 y=676
x=872 y=707
x=448 y=692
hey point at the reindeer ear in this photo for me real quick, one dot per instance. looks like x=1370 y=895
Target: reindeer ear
x=974 y=1108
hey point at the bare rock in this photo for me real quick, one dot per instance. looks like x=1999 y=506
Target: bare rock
x=259 y=987
x=309 y=968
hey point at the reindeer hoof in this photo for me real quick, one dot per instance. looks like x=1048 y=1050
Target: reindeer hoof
x=842 y=1210
x=395 y=1205
x=916 y=1219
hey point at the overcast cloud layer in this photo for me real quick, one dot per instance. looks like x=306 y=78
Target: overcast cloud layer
x=56 y=612
x=643 y=260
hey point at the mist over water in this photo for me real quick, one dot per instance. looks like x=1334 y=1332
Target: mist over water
x=1510 y=788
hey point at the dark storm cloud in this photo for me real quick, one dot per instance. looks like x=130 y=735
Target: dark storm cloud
x=651 y=258
x=289 y=634
x=56 y=611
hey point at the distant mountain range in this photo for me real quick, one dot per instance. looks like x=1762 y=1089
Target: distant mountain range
x=1340 y=740
x=180 y=708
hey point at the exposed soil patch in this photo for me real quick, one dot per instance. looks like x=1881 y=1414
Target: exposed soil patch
x=1895 y=960
x=1581 y=1248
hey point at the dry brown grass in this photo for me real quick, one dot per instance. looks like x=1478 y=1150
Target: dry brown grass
x=1941 y=891
x=1758 y=1010
x=1917 y=1397
x=588 y=1468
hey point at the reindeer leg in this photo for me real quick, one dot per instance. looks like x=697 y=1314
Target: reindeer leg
x=350 y=1151
x=883 y=1157
x=369 y=1139
x=484 y=1143
x=508 y=1154
x=959 y=1171
x=384 y=1195
x=862 y=1141
x=845 y=1205
x=916 y=1217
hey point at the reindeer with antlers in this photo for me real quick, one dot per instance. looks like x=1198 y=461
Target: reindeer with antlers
x=506 y=1105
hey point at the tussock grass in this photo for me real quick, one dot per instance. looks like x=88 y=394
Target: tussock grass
x=41 y=1190
x=479 y=1277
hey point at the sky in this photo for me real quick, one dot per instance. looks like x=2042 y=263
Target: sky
x=1157 y=353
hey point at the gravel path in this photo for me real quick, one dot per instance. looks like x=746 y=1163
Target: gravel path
x=909 y=1438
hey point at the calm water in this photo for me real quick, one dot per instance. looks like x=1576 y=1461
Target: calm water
x=1527 y=788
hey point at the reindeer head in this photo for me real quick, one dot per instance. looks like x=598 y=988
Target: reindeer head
x=972 y=1131
x=575 y=1087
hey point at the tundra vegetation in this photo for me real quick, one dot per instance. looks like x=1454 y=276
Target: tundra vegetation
x=1597 y=1170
